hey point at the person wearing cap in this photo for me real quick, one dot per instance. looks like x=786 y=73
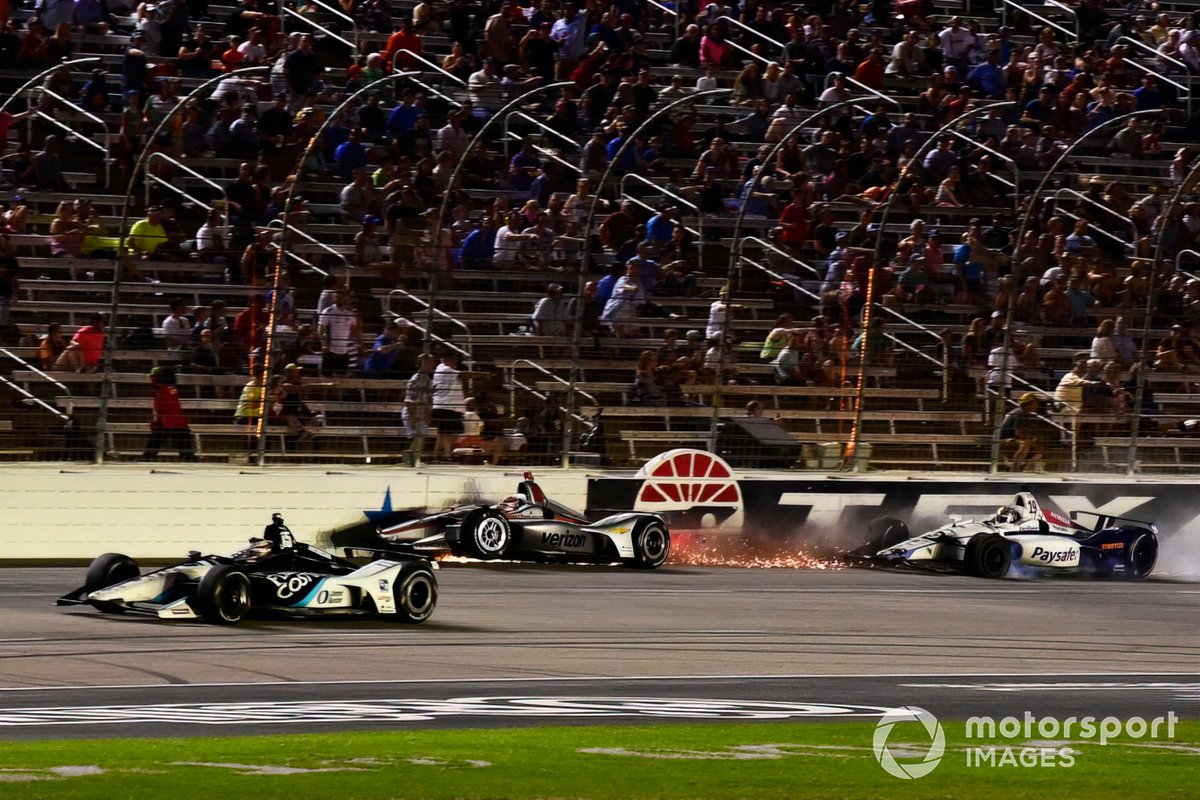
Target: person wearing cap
x=148 y=236
x=1018 y=435
x=387 y=359
x=292 y=411
x=552 y=315
x=168 y=425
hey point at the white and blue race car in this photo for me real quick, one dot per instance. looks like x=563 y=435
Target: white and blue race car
x=275 y=575
x=1022 y=536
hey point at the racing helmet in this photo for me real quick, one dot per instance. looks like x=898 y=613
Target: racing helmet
x=259 y=550
x=511 y=502
x=1007 y=514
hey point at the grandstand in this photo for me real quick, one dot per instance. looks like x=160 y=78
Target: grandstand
x=887 y=226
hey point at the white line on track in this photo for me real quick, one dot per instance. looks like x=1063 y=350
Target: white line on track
x=601 y=679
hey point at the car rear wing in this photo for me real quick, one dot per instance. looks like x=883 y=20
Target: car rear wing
x=1103 y=521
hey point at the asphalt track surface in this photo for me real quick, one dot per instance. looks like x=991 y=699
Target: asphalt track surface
x=516 y=645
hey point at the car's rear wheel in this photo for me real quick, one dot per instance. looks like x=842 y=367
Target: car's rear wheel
x=651 y=545
x=486 y=534
x=415 y=594
x=1141 y=556
x=884 y=532
x=223 y=596
x=989 y=555
x=109 y=570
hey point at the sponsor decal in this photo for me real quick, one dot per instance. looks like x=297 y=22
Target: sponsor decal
x=1113 y=546
x=383 y=584
x=290 y=584
x=572 y=540
x=1065 y=556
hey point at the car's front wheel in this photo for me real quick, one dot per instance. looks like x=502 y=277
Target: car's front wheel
x=486 y=534
x=415 y=594
x=109 y=570
x=223 y=596
x=884 y=532
x=989 y=555
x=651 y=545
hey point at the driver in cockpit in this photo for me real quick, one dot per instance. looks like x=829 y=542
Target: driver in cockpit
x=511 y=503
x=1008 y=514
x=278 y=534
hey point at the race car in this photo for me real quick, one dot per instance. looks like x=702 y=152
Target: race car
x=274 y=575
x=529 y=526
x=1023 y=533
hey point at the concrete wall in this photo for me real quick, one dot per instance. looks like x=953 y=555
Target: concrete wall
x=53 y=512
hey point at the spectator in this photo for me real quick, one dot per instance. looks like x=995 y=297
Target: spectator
x=623 y=305
x=340 y=328
x=51 y=346
x=176 y=327
x=449 y=403
x=169 y=425
x=787 y=364
x=1019 y=435
x=418 y=398
x=148 y=238
x=45 y=171
x=388 y=354
x=86 y=349
x=553 y=316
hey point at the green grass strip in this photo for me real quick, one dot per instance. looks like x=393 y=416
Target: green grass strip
x=712 y=760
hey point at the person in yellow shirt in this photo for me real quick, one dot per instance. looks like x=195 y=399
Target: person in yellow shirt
x=148 y=235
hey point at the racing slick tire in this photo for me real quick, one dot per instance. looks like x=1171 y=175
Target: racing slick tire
x=989 y=555
x=415 y=594
x=651 y=545
x=486 y=534
x=884 y=532
x=223 y=597
x=109 y=570
x=1141 y=556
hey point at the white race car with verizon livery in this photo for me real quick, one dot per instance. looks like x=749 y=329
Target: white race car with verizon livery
x=1022 y=537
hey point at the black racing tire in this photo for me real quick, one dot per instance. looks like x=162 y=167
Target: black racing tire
x=989 y=555
x=883 y=532
x=223 y=596
x=415 y=594
x=1141 y=556
x=109 y=570
x=486 y=534
x=651 y=545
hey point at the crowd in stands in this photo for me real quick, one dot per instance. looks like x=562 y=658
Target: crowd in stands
x=949 y=255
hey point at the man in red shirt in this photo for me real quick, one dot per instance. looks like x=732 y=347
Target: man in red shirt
x=794 y=221
x=403 y=39
x=169 y=426
x=86 y=349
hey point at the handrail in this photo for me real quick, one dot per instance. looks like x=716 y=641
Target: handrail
x=782 y=47
x=911 y=349
x=1179 y=257
x=1090 y=201
x=539 y=124
x=436 y=312
x=513 y=365
x=1186 y=91
x=42 y=75
x=658 y=189
x=309 y=238
x=542 y=396
x=1066 y=9
x=318 y=26
x=1038 y=17
x=103 y=148
x=829 y=79
x=31 y=398
x=748 y=51
x=781 y=278
x=34 y=369
x=784 y=253
x=547 y=153
x=435 y=337
x=180 y=165
x=654 y=210
x=1096 y=228
x=427 y=62
x=433 y=91
x=1012 y=164
x=337 y=12
x=1157 y=54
